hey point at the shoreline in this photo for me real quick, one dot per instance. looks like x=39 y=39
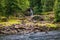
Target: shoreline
x=25 y=29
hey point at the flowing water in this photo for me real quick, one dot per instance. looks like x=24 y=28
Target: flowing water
x=31 y=11
x=52 y=35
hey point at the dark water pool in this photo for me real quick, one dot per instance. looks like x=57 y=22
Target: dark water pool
x=52 y=35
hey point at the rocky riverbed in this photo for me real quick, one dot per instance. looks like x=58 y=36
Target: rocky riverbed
x=24 y=29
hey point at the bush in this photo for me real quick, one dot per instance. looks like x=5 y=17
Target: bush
x=4 y=19
x=27 y=12
x=48 y=5
x=57 y=11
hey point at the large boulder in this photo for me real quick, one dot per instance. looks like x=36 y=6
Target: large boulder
x=38 y=18
x=4 y=19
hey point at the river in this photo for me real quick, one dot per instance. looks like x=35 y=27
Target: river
x=51 y=35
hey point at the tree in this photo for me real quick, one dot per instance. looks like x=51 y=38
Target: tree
x=15 y=6
x=47 y=5
x=24 y=4
x=57 y=10
x=36 y=5
x=1 y=7
x=11 y=7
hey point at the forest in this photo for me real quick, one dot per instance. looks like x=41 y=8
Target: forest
x=18 y=7
x=15 y=8
x=19 y=15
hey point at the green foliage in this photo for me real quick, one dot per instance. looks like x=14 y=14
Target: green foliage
x=1 y=7
x=40 y=6
x=17 y=7
x=4 y=19
x=36 y=5
x=24 y=4
x=57 y=10
x=47 y=5
x=11 y=7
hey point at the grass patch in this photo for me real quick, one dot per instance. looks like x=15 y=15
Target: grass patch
x=51 y=25
x=10 y=22
x=47 y=25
